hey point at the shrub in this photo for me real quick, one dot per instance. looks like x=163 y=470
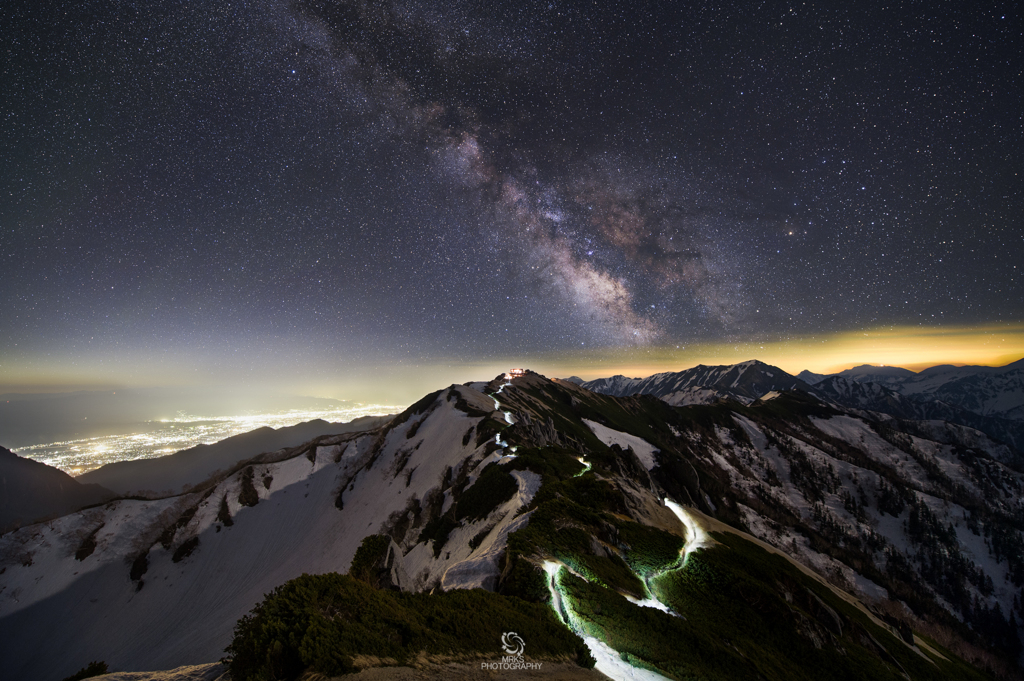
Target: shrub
x=370 y=559
x=224 y=513
x=88 y=671
x=493 y=488
x=247 y=495
x=321 y=623
x=185 y=550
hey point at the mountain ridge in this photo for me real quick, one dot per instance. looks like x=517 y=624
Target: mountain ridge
x=31 y=491
x=544 y=490
x=191 y=466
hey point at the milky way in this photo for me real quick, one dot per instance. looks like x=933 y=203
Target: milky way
x=468 y=179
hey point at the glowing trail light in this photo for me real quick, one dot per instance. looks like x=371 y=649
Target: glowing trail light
x=696 y=537
x=608 y=660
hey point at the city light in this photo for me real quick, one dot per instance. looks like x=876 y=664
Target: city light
x=166 y=436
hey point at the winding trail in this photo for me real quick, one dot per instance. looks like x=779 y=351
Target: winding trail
x=696 y=537
x=508 y=419
x=609 y=662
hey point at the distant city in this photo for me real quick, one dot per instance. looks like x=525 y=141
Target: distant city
x=160 y=438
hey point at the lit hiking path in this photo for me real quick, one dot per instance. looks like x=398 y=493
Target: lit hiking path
x=608 y=660
x=508 y=420
x=696 y=538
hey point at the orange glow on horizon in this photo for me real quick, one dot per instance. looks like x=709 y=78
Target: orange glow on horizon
x=913 y=348
x=382 y=381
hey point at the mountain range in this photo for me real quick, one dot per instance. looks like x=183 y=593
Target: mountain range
x=762 y=529
x=988 y=399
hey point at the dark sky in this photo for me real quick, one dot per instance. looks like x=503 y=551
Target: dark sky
x=254 y=184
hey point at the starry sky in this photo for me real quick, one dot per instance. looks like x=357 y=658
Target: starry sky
x=313 y=190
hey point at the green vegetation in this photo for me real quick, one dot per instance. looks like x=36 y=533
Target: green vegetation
x=649 y=550
x=224 y=513
x=371 y=559
x=88 y=671
x=185 y=550
x=87 y=546
x=437 y=531
x=139 y=567
x=247 y=495
x=748 y=614
x=322 y=623
x=493 y=488
x=551 y=463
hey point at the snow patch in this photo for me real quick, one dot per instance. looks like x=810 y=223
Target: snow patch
x=643 y=449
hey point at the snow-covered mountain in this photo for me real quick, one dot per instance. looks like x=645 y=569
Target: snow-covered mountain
x=176 y=573
x=986 y=391
x=635 y=519
x=879 y=398
x=749 y=380
x=898 y=392
x=884 y=375
x=701 y=395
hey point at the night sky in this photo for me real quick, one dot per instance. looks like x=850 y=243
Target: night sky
x=316 y=189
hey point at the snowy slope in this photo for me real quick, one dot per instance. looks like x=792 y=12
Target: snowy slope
x=182 y=612
x=191 y=466
x=700 y=395
x=921 y=512
x=644 y=450
x=986 y=391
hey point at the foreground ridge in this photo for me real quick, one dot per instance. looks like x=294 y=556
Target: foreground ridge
x=737 y=530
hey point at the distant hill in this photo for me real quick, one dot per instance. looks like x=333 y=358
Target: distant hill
x=190 y=466
x=878 y=374
x=31 y=491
